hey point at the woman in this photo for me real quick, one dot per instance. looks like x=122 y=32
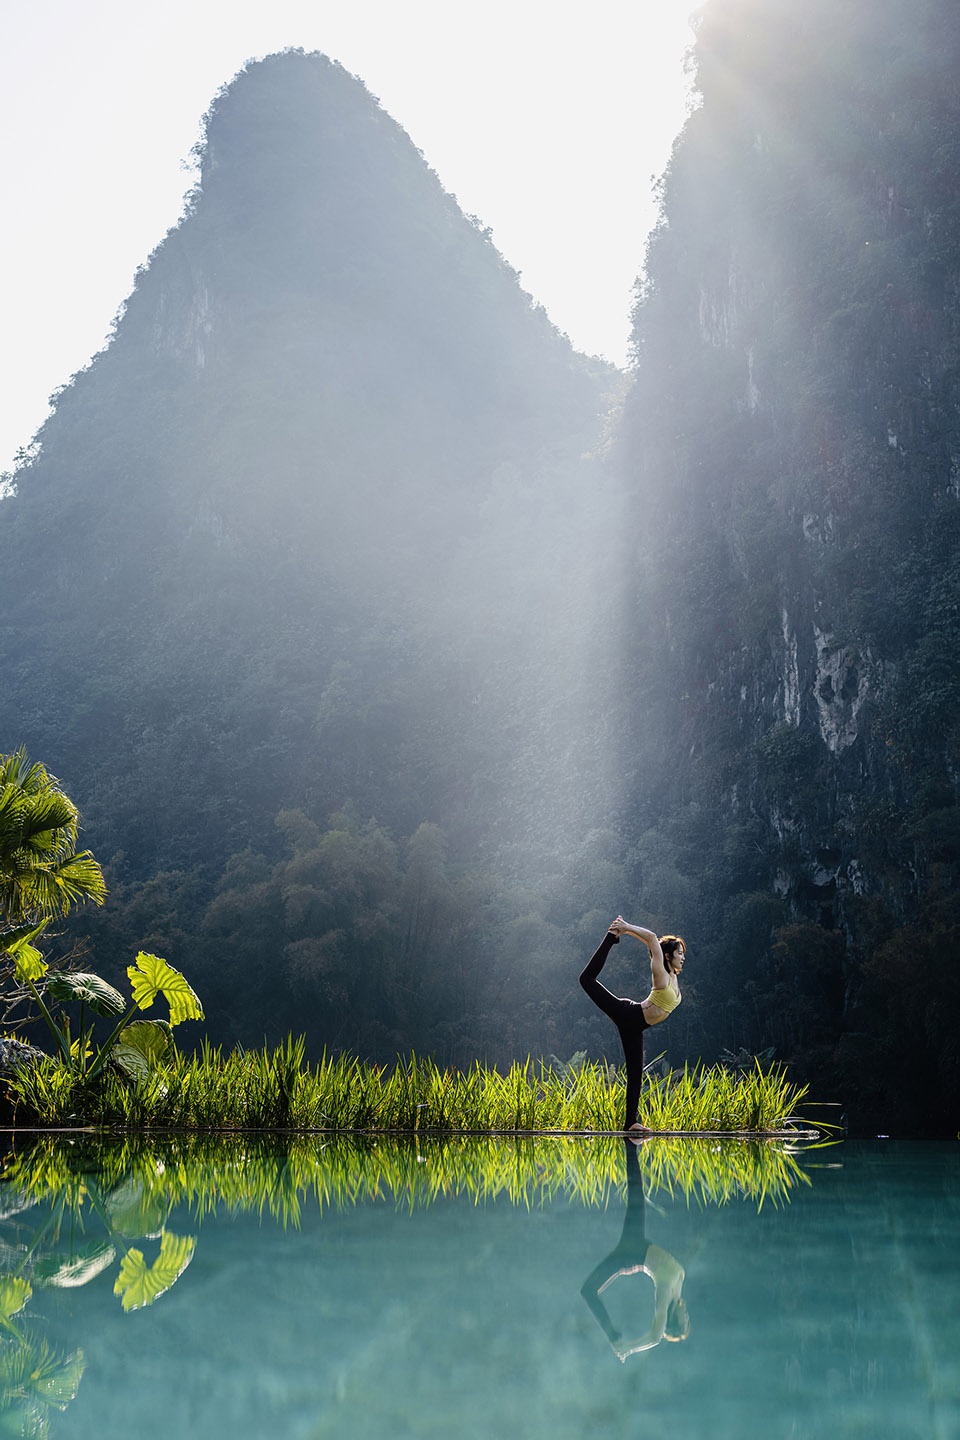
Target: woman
x=632 y=1017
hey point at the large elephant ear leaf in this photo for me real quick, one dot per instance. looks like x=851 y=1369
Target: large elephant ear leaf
x=139 y=1284
x=151 y=977
x=143 y=1046
x=94 y=992
x=28 y=963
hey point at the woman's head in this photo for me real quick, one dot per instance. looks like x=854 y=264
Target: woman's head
x=674 y=951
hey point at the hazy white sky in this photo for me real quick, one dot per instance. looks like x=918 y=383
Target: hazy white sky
x=546 y=119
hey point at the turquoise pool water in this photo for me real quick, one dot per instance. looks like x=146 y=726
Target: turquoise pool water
x=493 y=1309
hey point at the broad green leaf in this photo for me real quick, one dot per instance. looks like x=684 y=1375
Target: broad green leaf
x=29 y=964
x=14 y=1294
x=139 y=1284
x=16 y=933
x=142 y=1046
x=102 y=998
x=151 y=977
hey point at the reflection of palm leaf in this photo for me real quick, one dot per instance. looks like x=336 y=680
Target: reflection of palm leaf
x=56 y=1378
x=34 y=1377
x=151 y=977
x=139 y=1284
x=67 y=1273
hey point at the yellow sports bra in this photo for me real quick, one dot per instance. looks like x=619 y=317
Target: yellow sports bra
x=665 y=1000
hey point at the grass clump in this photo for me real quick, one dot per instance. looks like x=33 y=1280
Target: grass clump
x=279 y=1090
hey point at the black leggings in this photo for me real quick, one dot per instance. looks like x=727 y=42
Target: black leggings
x=629 y=1019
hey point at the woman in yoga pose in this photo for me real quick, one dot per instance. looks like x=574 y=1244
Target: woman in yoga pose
x=632 y=1017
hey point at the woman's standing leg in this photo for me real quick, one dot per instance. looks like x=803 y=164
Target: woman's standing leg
x=632 y=1038
x=628 y=1017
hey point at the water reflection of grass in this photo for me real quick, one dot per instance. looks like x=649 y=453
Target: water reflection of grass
x=136 y=1183
x=278 y=1089
x=73 y=1207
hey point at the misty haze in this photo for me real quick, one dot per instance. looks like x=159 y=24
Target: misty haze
x=391 y=648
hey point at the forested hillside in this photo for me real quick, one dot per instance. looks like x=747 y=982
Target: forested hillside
x=793 y=444
x=390 y=648
x=300 y=596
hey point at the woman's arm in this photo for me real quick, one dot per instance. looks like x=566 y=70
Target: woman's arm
x=658 y=971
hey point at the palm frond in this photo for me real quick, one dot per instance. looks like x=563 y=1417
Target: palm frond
x=50 y=819
x=55 y=888
x=41 y=872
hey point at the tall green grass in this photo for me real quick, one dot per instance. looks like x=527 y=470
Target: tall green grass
x=278 y=1090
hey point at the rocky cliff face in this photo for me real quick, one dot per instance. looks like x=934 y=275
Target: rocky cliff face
x=321 y=465
x=301 y=597
x=792 y=445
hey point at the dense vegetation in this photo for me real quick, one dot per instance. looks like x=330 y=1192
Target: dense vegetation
x=301 y=594
x=794 y=443
x=277 y=1090
x=391 y=652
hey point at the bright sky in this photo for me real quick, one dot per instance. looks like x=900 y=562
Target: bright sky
x=547 y=120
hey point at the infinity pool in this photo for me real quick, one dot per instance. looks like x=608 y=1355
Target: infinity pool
x=565 y=1288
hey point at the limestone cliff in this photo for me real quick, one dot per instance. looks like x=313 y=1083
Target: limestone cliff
x=793 y=444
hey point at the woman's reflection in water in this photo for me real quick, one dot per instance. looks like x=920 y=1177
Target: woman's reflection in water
x=636 y=1255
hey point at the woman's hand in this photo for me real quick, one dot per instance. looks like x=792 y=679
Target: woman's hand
x=621 y=927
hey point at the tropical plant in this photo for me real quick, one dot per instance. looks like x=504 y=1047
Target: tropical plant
x=42 y=873
x=43 y=876
x=135 y=1046
x=121 y=1197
